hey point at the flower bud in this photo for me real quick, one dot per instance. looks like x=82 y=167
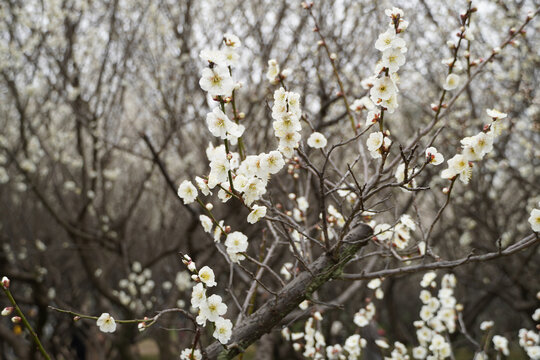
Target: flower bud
x=5 y=282
x=76 y=318
x=191 y=266
x=209 y=206
x=7 y=311
x=16 y=319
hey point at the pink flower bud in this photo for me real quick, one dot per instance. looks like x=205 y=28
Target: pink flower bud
x=16 y=319
x=7 y=311
x=5 y=282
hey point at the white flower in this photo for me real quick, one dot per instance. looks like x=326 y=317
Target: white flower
x=388 y=40
x=486 y=325
x=218 y=123
x=286 y=123
x=458 y=165
x=407 y=220
x=392 y=59
x=106 y=323
x=452 y=82
x=482 y=143
x=501 y=344
x=206 y=223
x=217 y=81
x=534 y=352
x=363 y=103
x=374 y=284
x=207 y=276
x=290 y=139
x=190 y=354
x=293 y=99
x=534 y=220
x=353 y=345
x=390 y=104
x=223 y=330
x=253 y=190
x=257 y=213
x=187 y=192
x=536 y=315
x=428 y=278
x=382 y=89
x=273 y=70
x=212 y=56
x=202 y=185
x=419 y=352
x=375 y=141
x=213 y=308
x=218 y=172
x=273 y=161
x=434 y=157
x=316 y=140
x=236 y=242
x=303 y=204
x=495 y=114
x=198 y=296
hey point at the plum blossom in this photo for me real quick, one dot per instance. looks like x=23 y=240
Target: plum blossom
x=106 y=323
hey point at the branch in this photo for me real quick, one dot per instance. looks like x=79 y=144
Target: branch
x=520 y=245
x=325 y=268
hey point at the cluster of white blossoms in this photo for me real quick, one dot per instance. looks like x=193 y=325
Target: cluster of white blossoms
x=364 y=315
x=314 y=345
x=398 y=236
x=529 y=340
x=137 y=284
x=209 y=308
x=216 y=79
x=384 y=91
x=383 y=85
x=398 y=353
x=191 y=354
x=474 y=148
x=286 y=113
x=274 y=74
x=438 y=314
x=453 y=80
x=438 y=317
